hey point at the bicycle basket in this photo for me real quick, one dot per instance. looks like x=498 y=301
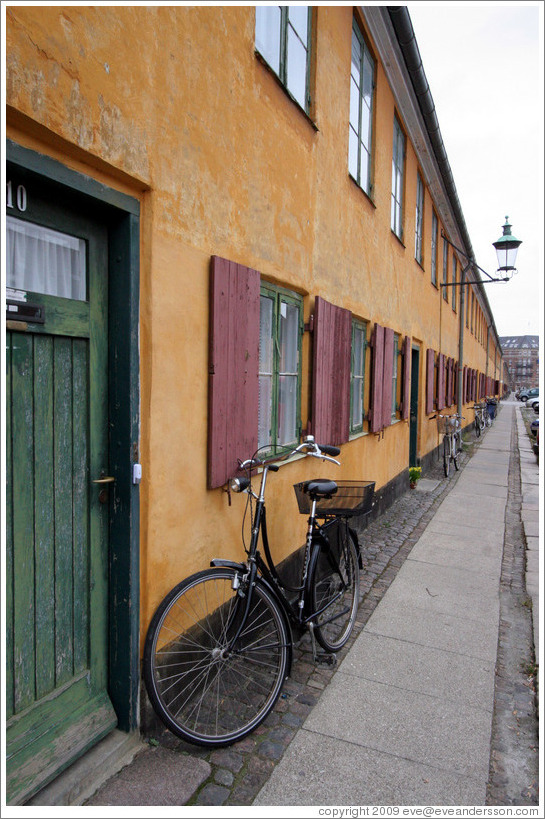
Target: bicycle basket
x=351 y=498
x=446 y=424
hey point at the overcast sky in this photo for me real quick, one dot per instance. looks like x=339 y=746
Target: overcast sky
x=484 y=66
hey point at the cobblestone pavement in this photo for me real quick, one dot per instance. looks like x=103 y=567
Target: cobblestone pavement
x=239 y=771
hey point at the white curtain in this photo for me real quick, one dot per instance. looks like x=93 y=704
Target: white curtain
x=44 y=261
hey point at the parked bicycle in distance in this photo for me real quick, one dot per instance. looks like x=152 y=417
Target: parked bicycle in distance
x=219 y=647
x=451 y=428
x=480 y=419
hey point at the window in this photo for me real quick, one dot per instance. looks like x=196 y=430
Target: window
x=282 y=37
x=398 y=157
x=434 y=232
x=46 y=261
x=279 y=367
x=445 y=269
x=394 y=375
x=419 y=219
x=357 y=375
x=362 y=83
x=454 y=280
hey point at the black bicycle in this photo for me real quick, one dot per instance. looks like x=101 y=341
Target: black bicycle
x=219 y=646
x=451 y=428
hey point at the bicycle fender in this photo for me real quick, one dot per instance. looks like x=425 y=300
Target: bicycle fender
x=217 y=563
x=357 y=546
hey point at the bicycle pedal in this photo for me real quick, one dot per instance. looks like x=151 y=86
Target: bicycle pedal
x=326 y=659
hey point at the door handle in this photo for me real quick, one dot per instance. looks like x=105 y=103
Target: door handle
x=107 y=479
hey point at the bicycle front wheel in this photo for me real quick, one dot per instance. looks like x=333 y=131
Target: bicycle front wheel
x=335 y=583
x=456 y=449
x=204 y=691
x=446 y=455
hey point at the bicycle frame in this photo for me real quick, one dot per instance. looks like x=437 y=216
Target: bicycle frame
x=297 y=613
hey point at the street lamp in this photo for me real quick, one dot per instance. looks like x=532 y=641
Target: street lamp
x=506 y=249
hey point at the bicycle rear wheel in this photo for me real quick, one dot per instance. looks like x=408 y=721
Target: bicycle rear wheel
x=335 y=582
x=204 y=693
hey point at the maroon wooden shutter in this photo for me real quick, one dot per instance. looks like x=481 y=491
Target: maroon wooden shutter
x=464 y=385
x=406 y=400
x=430 y=377
x=387 y=376
x=233 y=381
x=331 y=373
x=377 y=378
x=441 y=382
x=450 y=381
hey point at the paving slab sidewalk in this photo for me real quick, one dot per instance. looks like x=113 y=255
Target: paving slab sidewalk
x=404 y=721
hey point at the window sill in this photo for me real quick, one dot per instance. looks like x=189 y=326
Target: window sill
x=394 y=234
x=285 y=89
x=366 y=195
x=355 y=435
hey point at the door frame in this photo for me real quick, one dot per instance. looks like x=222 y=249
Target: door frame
x=414 y=405
x=122 y=214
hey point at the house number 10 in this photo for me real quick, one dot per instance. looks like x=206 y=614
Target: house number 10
x=20 y=200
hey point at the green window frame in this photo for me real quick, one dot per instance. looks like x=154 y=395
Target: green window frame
x=398 y=170
x=454 y=281
x=283 y=39
x=445 y=269
x=360 y=129
x=395 y=376
x=419 y=219
x=280 y=337
x=434 y=232
x=357 y=376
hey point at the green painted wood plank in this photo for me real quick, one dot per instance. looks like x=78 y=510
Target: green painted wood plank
x=63 y=508
x=45 y=748
x=23 y=521
x=44 y=525
x=62 y=316
x=80 y=513
x=9 y=538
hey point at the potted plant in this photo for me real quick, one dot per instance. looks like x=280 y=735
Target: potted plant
x=414 y=474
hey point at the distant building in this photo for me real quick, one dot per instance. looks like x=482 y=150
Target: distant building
x=521 y=356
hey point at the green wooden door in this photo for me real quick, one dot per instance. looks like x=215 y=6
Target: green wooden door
x=57 y=703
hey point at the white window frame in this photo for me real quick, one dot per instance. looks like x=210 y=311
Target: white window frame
x=419 y=220
x=434 y=235
x=277 y=30
x=398 y=173
x=360 y=128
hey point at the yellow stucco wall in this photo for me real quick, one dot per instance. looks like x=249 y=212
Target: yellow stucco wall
x=170 y=104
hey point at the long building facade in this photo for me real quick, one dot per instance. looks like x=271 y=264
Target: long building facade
x=226 y=228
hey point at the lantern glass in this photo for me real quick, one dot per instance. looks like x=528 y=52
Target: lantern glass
x=506 y=248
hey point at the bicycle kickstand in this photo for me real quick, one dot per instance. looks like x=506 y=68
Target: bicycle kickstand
x=323 y=658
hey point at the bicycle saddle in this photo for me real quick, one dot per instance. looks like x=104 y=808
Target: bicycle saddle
x=320 y=488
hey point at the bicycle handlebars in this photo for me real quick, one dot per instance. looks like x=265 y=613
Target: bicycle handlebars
x=307 y=447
